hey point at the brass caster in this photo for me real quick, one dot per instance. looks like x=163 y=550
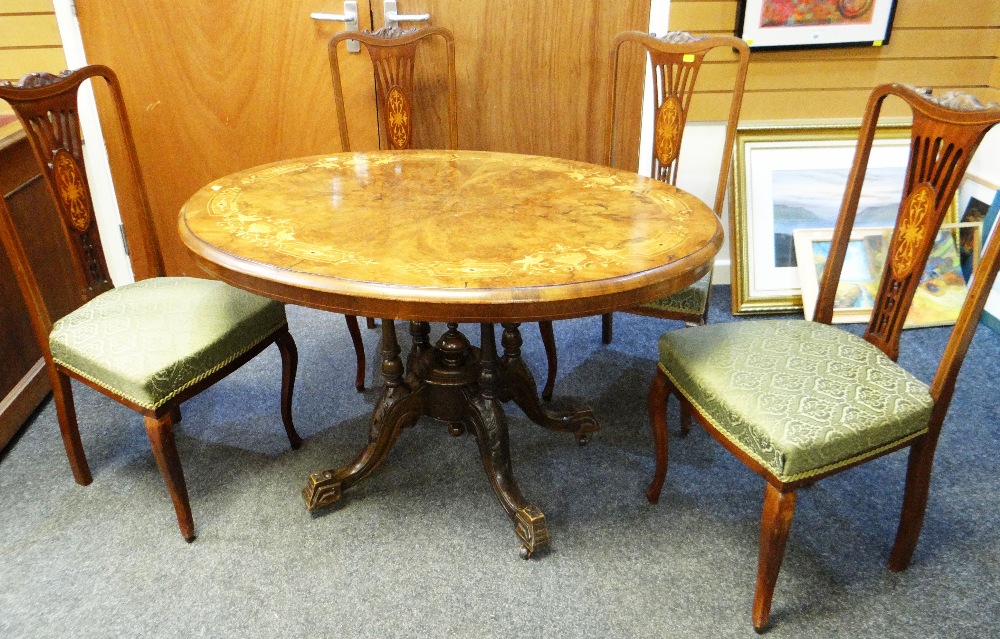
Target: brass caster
x=583 y=439
x=524 y=552
x=456 y=429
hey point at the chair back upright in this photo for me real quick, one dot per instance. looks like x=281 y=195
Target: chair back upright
x=676 y=59
x=393 y=53
x=946 y=132
x=48 y=109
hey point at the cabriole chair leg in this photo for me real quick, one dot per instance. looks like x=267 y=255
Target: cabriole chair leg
x=775 y=521
x=161 y=440
x=62 y=395
x=289 y=365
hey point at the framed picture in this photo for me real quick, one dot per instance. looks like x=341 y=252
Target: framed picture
x=797 y=24
x=794 y=177
x=938 y=298
x=979 y=201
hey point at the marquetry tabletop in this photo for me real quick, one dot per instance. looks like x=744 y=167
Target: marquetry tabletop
x=465 y=236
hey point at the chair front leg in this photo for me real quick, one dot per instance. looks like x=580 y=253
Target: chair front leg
x=62 y=395
x=289 y=365
x=161 y=439
x=775 y=521
x=656 y=405
x=911 y=520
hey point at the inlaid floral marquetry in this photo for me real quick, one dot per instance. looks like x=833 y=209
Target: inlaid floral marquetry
x=399 y=118
x=668 y=130
x=71 y=189
x=918 y=206
x=461 y=225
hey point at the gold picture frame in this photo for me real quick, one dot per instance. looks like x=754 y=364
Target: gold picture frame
x=775 y=167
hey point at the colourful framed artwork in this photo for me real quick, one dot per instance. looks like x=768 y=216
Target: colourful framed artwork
x=791 y=24
x=793 y=177
x=938 y=298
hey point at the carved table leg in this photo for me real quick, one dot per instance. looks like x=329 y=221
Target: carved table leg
x=517 y=384
x=397 y=408
x=486 y=419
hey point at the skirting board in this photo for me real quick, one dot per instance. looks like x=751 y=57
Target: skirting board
x=22 y=400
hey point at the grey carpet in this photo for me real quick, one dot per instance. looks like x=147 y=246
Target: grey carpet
x=423 y=549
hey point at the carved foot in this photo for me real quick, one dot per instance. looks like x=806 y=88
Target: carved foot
x=322 y=490
x=529 y=524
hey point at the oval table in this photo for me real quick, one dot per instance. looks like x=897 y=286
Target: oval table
x=453 y=236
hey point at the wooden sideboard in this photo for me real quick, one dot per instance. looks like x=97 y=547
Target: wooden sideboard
x=23 y=381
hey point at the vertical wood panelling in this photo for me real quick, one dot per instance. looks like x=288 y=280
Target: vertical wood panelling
x=945 y=50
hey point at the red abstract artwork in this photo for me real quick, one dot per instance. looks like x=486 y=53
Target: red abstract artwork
x=791 y=13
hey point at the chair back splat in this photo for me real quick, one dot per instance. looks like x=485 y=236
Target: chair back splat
x=676 y=59
x=46 y=105
x=393 y=53
x=946 y=132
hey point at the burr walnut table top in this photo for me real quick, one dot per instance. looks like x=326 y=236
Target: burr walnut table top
x=463 y=236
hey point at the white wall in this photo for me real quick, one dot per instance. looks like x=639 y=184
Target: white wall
x=986 y=166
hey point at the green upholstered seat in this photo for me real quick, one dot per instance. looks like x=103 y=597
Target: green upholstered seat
x=799 y=397
x=689 y=301
x=150 y=340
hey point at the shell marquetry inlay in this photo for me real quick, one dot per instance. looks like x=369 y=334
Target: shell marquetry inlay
x=915 y=211
x=398 y=118
x=668 y=130
x=71 y=187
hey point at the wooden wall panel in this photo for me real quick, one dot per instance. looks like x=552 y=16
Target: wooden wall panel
x=945 y=50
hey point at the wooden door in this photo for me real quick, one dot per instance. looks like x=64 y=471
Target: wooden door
x=216 y=87
x=533 y=76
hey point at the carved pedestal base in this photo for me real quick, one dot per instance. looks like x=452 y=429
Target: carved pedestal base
x=461 y=386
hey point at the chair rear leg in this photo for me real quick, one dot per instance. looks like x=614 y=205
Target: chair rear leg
x=656 y=405
x=775 y=521
x=551 y=357
x=370 y=323
x=359 y=350
x=62 y=395
x=911 y=520
x=607 y=327
x=289 y=365
x=161 y=439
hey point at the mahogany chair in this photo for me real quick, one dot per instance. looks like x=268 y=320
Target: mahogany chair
x=150 y=345
x=393 y=53
x=798 y=400
x=676 y=59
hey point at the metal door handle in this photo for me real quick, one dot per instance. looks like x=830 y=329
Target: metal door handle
x=349 y=18
x=392 y=18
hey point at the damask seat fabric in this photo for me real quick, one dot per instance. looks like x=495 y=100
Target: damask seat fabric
x=150 y=340
x=798 y=397
x=689 y=301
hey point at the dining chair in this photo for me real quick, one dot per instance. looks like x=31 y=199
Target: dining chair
x=393 y=53
x=676 y=59
x=798 y=401
x=149 y=345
